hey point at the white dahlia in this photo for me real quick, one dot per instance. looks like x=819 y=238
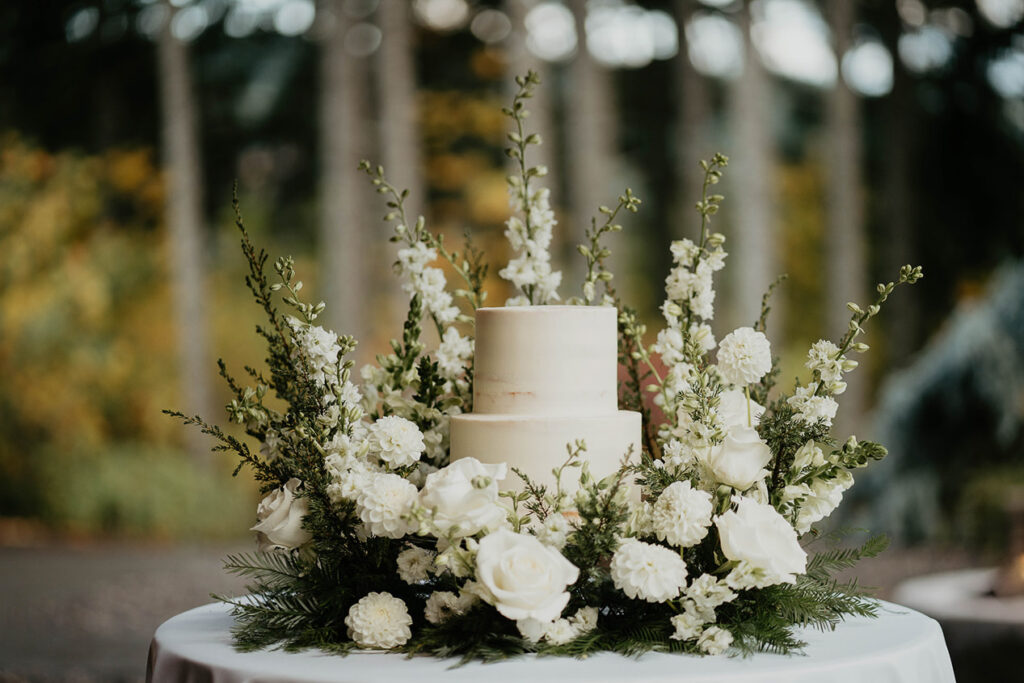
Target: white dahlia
x=744 y=356
x=396 y=441
x=379 y=620
x=415 y=564
x=382 y=503
x=682 y=514
x=647 y=571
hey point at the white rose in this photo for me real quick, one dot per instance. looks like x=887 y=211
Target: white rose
x=744 y=356
x=740 y=459
x=758 y=534
x=397 y=441
x=465 y=495
x=525 y=578
x=280 y=519
x=732 y=409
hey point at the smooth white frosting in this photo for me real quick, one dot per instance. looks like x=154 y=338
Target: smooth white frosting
x=545 y=377
x=536 y=445
x=546 y=360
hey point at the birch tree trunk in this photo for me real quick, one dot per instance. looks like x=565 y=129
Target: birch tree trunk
x=692 y=143
x=184 y=213
x=399 y=119
x=845 y=249
x=752 y=167
x=343 y=216
x=591 y=135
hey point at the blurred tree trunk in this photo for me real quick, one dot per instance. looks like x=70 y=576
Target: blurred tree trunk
x=182 y=161
x=898 y=220
x=400 y=144
x=752 y=171
x=399 y=119
x=343 y=216
x=591 y=135
x=692 y=145
x=845 y=249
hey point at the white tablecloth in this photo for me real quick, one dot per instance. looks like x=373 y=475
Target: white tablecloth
x=901 y=646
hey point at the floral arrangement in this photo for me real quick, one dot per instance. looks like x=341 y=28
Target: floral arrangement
x=370 y=538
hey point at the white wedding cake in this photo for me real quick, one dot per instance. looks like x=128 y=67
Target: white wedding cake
x=545 y=376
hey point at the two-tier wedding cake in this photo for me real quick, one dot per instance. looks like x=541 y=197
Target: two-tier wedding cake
x=544 y=377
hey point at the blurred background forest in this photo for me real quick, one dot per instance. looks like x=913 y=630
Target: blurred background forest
x=863 y=135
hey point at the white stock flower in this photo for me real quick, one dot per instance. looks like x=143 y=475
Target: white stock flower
x=740 y=459
x=442 y=605
x=670 y=346
x=319 y=348
x=715 y=640
x=414 y=564
x=744 y=356
x=823 y=496
x=525 y=578
x=687 y=625
x=811 y=408
x=280 y=516
x=347 y=474
x=758 y=534
x=823 y=356
x=383 y=502
x=706 y=593
x=453 y=353
x=464 y=497
x=379 y=620
x=732 y=409
x=647 y=572
x=554 y=531
x=682 y=515
x=396 y=441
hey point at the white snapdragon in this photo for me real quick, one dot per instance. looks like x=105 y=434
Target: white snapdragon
x=379 y=620
x=821 y=498
x=648 y=572
x=823 y=356
x=682 y=515
x=442 y=605
x=670 y=345
x=384 y=502
x=396 y=441
x=744 y=356
x=414 y=564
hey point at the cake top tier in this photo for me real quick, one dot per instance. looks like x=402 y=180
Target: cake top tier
x=546 y=360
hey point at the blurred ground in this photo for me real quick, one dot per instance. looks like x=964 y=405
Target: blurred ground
x=86 y=612
x=83 y=612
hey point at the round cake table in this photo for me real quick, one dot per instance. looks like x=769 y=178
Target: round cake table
x=901 y=646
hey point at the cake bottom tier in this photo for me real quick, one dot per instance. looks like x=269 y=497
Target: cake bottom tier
x=536 y=444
